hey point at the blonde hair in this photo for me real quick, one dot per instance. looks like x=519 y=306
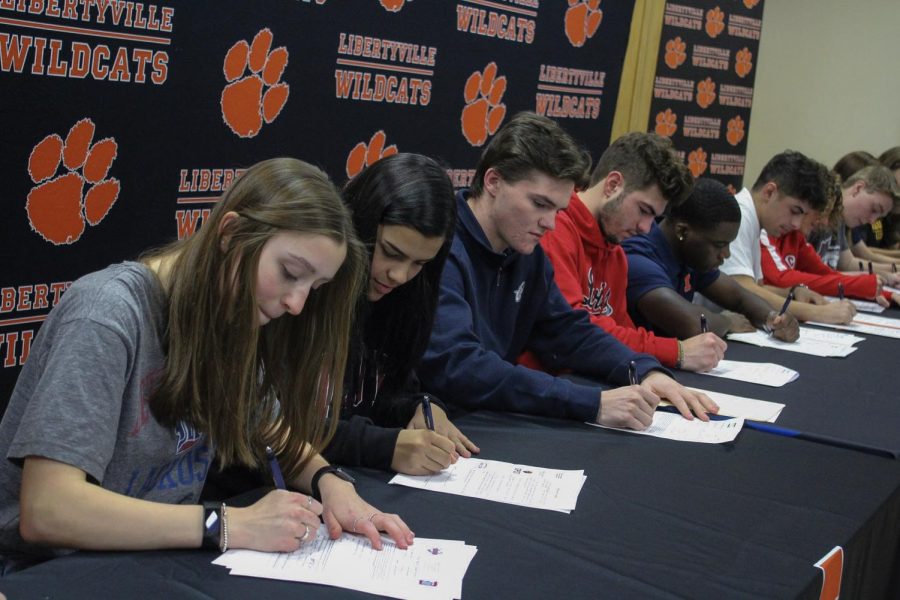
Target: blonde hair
x=248 y=386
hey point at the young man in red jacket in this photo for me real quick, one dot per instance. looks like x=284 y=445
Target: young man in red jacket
x=790 y=260
x=634 y=180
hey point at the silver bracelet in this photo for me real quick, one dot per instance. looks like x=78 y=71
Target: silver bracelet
x=223 y=540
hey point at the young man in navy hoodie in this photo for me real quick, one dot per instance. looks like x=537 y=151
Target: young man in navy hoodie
x=498 y=299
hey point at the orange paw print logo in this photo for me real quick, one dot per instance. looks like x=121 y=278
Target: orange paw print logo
x=697 y=162
x=582 y=20
x=666 y=123
x=675 y=54
x=706 y=92
x=483 y=112
x=244 y=105
x=364 y=155
x=392 y=5
x=57 y=209
x=735 y=131
x=751 y=3
x=715 y=22
x=743 y=62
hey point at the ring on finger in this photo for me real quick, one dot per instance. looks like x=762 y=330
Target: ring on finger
x=305 y=533
x=372 y=516
x=355 y=521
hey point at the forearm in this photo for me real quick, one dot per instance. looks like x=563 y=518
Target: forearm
x=60 y=508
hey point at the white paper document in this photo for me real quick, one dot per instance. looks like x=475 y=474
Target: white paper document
x=863 y=305
x=673 y=426
x=429 y=569
x=762 y=373
x=747 y=408
x=811 y=341
x=871 y=324
x=535 y=487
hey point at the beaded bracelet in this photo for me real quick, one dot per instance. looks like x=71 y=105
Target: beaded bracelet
x=223 y=540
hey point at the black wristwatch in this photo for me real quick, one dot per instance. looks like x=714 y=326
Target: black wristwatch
x=337 y=471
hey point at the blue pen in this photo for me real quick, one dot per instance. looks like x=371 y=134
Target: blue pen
x=426 y=409
x=704 y=326
x=276 y=470
x=632 y=373
x=787 y=302
x=840 y=291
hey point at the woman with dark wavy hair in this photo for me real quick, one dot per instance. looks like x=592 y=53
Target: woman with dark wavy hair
x=405 y=214
x=146 y=373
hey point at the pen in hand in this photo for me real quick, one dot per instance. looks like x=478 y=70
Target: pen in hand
x=870 y=267
x=632 y=373
x=840 y=291
x=276 y=470
x=704 y=325
x=426 y=410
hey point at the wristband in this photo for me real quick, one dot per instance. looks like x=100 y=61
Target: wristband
x=337 y=471
x=213 y=519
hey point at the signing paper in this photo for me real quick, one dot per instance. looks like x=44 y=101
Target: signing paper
x=429 y=569
x=738 y=406
x=811 y=341
x=862 y=305
x=871 y=324
x=672 y=426
x=763 y=373
x=535 y=487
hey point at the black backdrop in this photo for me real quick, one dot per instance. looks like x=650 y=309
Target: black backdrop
x=151 y=76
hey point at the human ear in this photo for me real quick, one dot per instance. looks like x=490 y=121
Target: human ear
x=613 y=183
x=225 y=226
x=491 y=182
x=681 y=230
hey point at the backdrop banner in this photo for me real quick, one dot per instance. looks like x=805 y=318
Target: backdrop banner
x=703 y=90
x=123 y=122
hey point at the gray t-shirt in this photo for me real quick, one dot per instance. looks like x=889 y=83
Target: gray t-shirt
x=81 y=399
x=829 y=244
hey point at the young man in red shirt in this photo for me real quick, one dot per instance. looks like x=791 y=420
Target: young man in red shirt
x=634 y=180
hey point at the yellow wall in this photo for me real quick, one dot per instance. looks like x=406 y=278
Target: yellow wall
x=828 y=80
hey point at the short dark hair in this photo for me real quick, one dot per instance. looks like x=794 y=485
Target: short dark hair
x=798 y=176
x=852 y=162
x=646 y=159
x=891 y=158
x=708 y=204
x=529 y=142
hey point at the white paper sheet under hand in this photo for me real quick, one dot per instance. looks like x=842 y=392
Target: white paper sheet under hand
x=871 y=324
x=863 y=305
x=747 y=408
x=535 y=487
x=673 y=426
x=429 y=569
x=763 y=373
x=810 y=342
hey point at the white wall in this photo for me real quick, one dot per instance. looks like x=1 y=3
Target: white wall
x=827 y=82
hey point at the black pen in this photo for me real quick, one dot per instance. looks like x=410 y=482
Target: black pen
x=787 y=302
x=870 y=267
x=704 y=326
x=426 y=410
x=861 y=266
x=632 y=373
x=840 y=291
x=276 y=470
x=894 y=267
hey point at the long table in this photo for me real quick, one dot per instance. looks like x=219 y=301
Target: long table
x=655 y=519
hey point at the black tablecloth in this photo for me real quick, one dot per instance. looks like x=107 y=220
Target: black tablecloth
x=656 y=519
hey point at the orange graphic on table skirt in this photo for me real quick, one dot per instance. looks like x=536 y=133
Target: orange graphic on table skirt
x=365 y=155
x=751 y=3
x=484 y=110
x=392 y=5
x=57 y=207
x=697 y=162
x=735 y=130
x=666 y=123
x=743 y=62
x=675 y=53
x=715 y=22
x=255 y=93
x=706 y=92
x=583 y=18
